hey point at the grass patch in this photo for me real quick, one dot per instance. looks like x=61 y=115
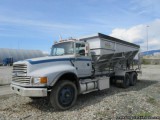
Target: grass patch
x=144 y=114
x=101 y=114
x=151 y=100
x=145 y=62
x=104 y=114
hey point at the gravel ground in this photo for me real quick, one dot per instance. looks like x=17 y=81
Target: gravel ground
x=140 y=100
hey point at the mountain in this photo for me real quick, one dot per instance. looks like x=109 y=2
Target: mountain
x=150 y=52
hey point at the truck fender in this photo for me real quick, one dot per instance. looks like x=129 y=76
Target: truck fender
x=67 y=75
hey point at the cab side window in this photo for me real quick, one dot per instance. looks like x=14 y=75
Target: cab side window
x=80 y=49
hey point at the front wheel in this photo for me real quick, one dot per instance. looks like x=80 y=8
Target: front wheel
x=63 y=96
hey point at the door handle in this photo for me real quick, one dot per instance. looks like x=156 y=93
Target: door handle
x=87 y=64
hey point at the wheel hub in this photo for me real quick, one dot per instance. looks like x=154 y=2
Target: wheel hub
x=66 y=96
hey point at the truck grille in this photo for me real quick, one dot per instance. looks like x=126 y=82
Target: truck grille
x=21 y=79
x=22 y=68
x=20 y=74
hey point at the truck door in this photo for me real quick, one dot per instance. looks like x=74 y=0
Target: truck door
x=83 y=61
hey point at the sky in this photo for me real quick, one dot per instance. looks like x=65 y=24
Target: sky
x=36 y=24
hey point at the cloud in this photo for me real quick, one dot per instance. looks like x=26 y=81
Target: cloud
x=32 y=25
x=138 y=34
x=145 y=7
x=41 y=25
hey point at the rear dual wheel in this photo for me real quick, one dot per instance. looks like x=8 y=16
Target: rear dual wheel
x=126 y=81
x=133 y=79
x=130 y=79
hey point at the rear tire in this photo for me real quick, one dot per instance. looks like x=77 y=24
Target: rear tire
x=126 y=81
x=112 y=80
x=63 y=96
x=133 y=79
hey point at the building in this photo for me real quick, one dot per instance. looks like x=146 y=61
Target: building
x=19 y=54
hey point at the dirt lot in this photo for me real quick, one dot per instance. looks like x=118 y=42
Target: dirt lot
x=140 y=100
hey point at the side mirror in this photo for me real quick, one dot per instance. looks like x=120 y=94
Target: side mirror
x=92 y=53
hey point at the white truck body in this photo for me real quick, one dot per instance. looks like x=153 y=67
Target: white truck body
x=88 y=64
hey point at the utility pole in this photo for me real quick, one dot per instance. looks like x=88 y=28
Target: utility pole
x=147 y=37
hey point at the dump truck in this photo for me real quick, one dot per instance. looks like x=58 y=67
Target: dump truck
x=77 y=66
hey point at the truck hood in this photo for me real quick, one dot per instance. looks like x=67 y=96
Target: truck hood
x=49 y=58
x=53 y=62
x=45 y=59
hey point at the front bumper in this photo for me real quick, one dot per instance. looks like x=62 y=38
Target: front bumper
x=29 y=92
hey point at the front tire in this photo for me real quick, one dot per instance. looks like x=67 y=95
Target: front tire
x=63 y=96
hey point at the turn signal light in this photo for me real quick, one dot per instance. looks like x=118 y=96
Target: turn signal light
x=43 y=80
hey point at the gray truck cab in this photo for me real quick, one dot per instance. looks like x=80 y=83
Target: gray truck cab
x=69 y=61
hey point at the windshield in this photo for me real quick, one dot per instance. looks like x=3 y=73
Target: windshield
x=66 y=48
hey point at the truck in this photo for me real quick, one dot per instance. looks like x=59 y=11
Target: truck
x=77 y=66
x=7 y=61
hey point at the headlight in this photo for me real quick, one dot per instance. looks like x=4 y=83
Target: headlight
x=41 y=80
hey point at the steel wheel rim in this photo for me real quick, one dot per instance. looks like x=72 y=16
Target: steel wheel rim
x=66 y=96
